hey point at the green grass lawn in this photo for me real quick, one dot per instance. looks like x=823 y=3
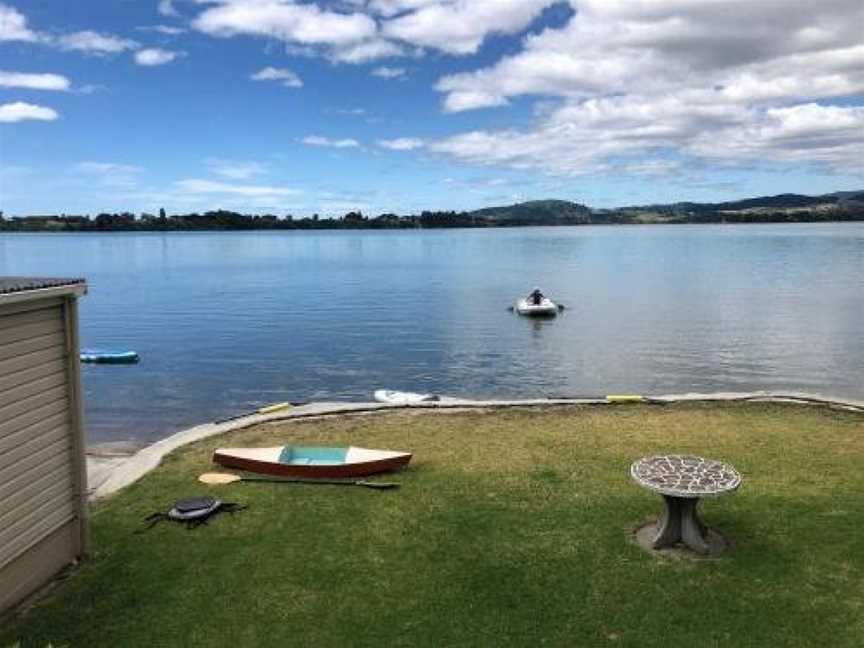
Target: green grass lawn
x=512 y=527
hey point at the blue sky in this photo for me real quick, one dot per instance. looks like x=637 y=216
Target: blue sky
x=402 y=105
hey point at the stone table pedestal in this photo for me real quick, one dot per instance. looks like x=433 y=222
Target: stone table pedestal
x=682 y=480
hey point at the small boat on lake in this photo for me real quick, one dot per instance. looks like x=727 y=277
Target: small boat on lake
x=537 y=305
x=403 y=398
x=545 y=308
x=298 y=461
x=104 y=356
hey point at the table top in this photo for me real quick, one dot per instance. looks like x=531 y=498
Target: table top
x=685 y=476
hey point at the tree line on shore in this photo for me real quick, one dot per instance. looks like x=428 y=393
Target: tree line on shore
x=787 y=208
x=227 y=220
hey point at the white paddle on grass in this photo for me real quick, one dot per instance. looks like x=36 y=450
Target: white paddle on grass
x=215 y=479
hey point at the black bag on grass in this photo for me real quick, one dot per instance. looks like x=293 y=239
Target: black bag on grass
x=193 y=512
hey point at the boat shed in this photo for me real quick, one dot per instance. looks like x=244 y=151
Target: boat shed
x=43 y=478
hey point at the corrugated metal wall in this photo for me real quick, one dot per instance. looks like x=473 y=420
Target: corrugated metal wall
x=40 y=461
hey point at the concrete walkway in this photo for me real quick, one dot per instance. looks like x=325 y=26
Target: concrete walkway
x=112 y=467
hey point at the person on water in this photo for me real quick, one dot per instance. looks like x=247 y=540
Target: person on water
x=535 y=297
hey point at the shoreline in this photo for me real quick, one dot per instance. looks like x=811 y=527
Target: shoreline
x=415 y=228
x=109 y=469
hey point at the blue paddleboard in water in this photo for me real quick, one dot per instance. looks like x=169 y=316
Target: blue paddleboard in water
x=108 y=357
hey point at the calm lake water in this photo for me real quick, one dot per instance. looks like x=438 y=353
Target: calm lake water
x=225 y=322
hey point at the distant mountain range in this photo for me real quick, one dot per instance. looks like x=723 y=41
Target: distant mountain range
x=839 y=206
x=784 y=208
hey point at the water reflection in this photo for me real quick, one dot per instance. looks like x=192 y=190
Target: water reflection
x=227 y=321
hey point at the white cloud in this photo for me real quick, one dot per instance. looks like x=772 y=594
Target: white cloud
x=388 y=72
x=354 y=112
x=401 y=144
x=94 y=42
x=390 y=8
x=609 y=134
x=90 y=88
x=33 y=81
x=152 y=56
x=167 y=30
x=457 y=26
x=638 y=87
x=305 y=24
x=20 y=111
x=653 y=167
x=236 y=169
x=614 y=46
x=166 y=8
x=369 y=50
x=358 y=32
x=832 y=136
x=285 y=77
x=317 y=140
x=97 y=168
x=826 y=73
x=13 y=26
x=109 y=174
x=197 y=186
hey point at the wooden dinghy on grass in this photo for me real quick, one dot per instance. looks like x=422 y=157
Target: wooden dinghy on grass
x=312 y=463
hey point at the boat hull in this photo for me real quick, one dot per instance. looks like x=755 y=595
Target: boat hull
x=265 y=462
x=546 y=308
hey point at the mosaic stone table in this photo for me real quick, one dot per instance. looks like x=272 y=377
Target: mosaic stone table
x=682 y=480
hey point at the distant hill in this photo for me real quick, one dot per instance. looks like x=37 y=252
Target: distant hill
x=838 y=206
x=843 y=205
x=783 y=201
x=783 y=208
x=849 y=196
x=536 y=212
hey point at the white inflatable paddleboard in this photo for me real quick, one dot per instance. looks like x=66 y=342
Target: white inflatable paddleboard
x=403 y=398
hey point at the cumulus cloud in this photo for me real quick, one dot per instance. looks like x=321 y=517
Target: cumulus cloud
x=389 y=72
x=608 y=134
x=369 y=50
x=95 y=43
x=390 y=8
x=832 y=136
x=166 y=8
x=458 y=26
x=198 y=186
x=285 y=77
x=20 y=111
x=613 y=46
x=318 y=140
x=401 y=144
x=33 y=81
x=307 y=28
x=13 y=26
x=633 y=83
x=285 y=20
x=153 y=56
x=363 y=32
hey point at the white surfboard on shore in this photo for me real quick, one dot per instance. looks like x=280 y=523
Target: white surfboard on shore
x=393 y=397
